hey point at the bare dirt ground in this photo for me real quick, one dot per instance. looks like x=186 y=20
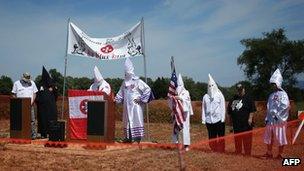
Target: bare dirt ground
x=35 y=156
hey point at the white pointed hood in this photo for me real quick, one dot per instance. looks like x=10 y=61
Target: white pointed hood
x=180 y=84
x=277 y=78
x=184 y=94
x=129 y=72
x=212 y=87
x=129 y=68
x=97 y=75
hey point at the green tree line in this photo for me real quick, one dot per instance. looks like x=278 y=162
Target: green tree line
x=159 y=86
x=260 y=58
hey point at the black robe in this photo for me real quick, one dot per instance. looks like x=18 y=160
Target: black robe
x=46 y=110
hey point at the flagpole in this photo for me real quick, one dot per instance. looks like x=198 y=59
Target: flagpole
x=65 y=70
x=145 y=72
x=180 y=136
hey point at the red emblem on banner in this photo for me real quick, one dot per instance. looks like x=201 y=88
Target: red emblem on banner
x=83 y=106
x=107 y=49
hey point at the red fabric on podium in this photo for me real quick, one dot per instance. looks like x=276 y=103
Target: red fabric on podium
x=78 y=111
x=78 y=129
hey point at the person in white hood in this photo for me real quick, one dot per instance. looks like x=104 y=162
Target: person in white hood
x=99 y=83
x=213 y=115
x=133 y=93
x=184 y=96
x=277 y=115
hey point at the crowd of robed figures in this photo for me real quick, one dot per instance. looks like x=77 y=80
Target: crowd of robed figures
x=135 y=93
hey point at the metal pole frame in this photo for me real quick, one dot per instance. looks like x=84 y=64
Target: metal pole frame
x=65 y=70
x=145 y=72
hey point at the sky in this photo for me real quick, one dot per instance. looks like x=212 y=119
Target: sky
x=203 y=36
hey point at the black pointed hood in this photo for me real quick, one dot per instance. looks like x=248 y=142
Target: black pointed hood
x=47 y=81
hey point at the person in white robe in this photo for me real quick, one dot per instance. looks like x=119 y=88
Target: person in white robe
x=213 y=115
x=184 y=96
x=99 y=83
x=133 y=93
x=277 y=115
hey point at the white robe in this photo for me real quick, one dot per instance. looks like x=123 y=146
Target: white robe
x=213 y=110
x=186 y=102
x=276 y=118
x=104 y=87
x=133 y=119
x=277 y=107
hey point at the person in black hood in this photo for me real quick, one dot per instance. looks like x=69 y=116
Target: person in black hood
x=46 y=103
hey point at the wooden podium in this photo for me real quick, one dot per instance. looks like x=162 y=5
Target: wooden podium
x=20 y=118
x=101 y=120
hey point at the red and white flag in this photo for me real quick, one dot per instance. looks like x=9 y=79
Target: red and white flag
x=78 y=111
x=174 y=104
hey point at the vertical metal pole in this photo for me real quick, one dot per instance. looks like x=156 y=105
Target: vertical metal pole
x=180 y=139
x=65 y=70
x=145 y=72
x=143 y=45
x=181 y=152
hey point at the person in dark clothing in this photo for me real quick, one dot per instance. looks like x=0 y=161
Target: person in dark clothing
x=240 y=110
x=46 y=104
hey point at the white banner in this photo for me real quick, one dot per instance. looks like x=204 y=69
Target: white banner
x=125 y=45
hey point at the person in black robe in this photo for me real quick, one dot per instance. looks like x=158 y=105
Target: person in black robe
x=46 y=104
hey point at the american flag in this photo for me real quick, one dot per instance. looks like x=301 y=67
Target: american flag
x=177 y=107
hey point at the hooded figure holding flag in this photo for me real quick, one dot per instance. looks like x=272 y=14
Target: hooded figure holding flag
x=133 y=93
x=46 y=103
x=183 y=96
x=99 y=83
x=213 y=115
x=277 y=115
